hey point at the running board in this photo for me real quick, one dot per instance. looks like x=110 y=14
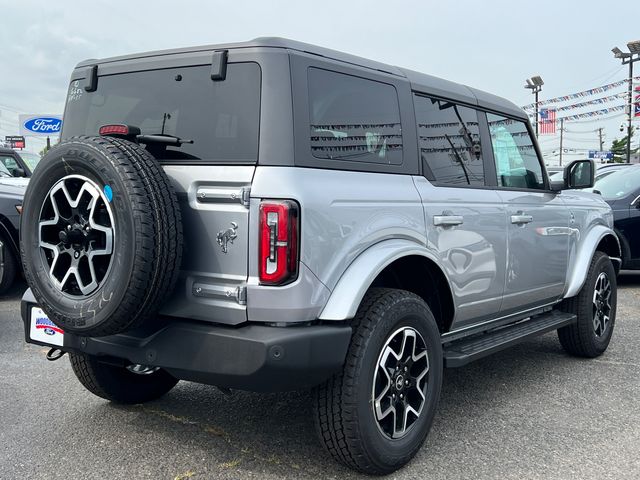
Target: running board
x=465 y=350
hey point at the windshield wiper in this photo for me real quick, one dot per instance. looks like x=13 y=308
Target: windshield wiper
x=162 y=138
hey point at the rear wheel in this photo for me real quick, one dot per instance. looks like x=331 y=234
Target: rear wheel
x=375 y=414
x=119 y=384
x=595 y=307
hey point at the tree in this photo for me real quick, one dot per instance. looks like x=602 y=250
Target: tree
x=619 y=148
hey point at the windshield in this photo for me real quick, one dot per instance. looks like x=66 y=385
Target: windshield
x=619 y=183
x=221 y=118
x=31 y=159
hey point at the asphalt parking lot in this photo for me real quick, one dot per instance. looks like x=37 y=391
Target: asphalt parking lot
x=529 y=412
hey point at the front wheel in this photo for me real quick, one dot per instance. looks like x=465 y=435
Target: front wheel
x=595 y=307
x=375 y=415
x=119 y=384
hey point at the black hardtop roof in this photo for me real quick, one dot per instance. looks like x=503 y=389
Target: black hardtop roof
x=419 y=81
x=8 y=150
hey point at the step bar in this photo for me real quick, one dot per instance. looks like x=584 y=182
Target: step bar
x=460 y=352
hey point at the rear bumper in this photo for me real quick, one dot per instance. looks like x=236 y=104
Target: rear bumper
x=252 y=357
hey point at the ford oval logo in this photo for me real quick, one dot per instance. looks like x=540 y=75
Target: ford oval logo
x=44 y=125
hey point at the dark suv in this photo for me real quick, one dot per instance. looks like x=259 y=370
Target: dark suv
x=272 y=215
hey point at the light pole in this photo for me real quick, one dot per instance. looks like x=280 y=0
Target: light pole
x=633 y=55
x=535 y=85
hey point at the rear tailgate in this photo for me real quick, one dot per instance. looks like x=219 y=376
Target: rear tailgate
x=215 y=216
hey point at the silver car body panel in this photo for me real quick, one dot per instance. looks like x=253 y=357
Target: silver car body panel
x=353 y=285
x=537 y=248
x=343 y=214
x=471 y=252
x=211 y=201
x=591 y=220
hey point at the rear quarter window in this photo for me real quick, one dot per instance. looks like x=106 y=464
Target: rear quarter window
x=221 y=117
x=353 y=119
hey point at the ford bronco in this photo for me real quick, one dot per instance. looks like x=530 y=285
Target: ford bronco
x=273 y=215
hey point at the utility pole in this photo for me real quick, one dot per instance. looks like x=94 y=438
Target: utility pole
x=628 y=58
x=600 y=137
x=561 y=135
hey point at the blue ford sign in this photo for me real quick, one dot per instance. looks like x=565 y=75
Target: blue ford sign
x=42 y=125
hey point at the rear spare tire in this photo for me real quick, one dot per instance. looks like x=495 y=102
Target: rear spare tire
x=100 y=236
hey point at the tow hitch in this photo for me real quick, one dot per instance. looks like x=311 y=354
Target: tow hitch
x=55 y=354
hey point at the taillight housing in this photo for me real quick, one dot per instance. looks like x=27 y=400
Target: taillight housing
x=278 y=246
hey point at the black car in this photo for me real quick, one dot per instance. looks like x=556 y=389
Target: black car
x=13 y=165
x=621 y=190
x=11 y=195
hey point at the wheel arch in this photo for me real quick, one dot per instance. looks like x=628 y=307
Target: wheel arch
x=600 y=238
x=9 y=232
x=398 y=264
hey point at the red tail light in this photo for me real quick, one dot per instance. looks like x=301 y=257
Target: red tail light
x=278 y=249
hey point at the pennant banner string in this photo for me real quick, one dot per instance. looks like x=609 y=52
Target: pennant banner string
x=585 y=93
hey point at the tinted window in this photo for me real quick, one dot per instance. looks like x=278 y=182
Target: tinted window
x=619 y=183
x=516 y=160
x=221 y=118
x=7 y=164
x=31 y=159
x=353 y=118
x=449 y=141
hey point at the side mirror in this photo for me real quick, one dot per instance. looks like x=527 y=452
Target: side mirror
x=18 y=172
x=580 y=174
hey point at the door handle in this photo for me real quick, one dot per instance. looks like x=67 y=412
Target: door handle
x=447 y=220
x=521 y=219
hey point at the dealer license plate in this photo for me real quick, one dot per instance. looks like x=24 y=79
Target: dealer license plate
x=44 y=330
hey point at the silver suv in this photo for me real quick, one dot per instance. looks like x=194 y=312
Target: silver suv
x=272 y=215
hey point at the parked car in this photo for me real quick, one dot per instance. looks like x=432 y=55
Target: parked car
x=30 y=159
x=347 y=226
x=11 y=194
x=621 y=190
x=605 y=169
x=12 y=164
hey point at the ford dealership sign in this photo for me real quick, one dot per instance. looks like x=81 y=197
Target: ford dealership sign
x=40 y=125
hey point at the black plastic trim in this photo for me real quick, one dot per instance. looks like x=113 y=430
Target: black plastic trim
x=252 y=357
x=461 y=352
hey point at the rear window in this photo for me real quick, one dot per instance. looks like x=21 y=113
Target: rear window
x=221 y=118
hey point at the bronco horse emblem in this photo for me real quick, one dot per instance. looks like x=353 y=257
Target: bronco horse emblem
x=225 y=237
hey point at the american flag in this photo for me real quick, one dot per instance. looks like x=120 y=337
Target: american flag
x=636 y=110
x=547 y=121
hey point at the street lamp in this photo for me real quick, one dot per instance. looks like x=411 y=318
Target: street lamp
x=633 y=55
x=535 y=85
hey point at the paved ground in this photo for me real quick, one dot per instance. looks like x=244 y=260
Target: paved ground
x=530 y=412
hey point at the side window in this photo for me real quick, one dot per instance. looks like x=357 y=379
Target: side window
x=353 y=119
x=516 y=160
x=7 y=164
x=449 y=139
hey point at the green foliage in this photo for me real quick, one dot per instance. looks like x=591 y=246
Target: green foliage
x=619 y=148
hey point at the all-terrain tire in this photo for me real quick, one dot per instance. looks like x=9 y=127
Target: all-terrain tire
x=116 y=383
x=140 y=203
x=344 y=406
x=582 y=339
x=9 y=270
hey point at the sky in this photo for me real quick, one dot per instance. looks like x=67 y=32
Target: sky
x=491 y=45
